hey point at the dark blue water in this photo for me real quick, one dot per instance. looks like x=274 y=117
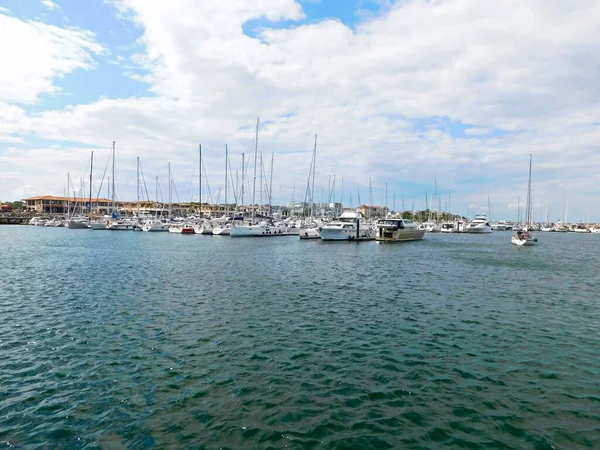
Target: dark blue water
x=139 y=340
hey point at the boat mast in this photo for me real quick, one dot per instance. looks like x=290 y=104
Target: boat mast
x=91 y=170
x=200 y=178
x=113 y=180
x=271 y=183
x=312 y=194
x=138 y=181
x=242 y=187
x=226 y=167
x=261 y=180
x=68 y=194
x=528 y=213
x=170 y=184
x=254 y=182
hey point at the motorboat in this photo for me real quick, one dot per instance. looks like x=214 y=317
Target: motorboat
x=122 y=225
x=398 y=230
x=432 y=227
x=448 y=227
x=479 y=224
x=265 y=228
x=499 y=226
x=350 y=226
x=78 y=224
x=204 y=228
x=309 y=233
x=523 y=237
x=99 y=225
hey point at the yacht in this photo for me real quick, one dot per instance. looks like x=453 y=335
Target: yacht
x=525 y=236
x=448 y=227
x=262 y=229
x=204 y=228
x=499 y=226
x=350 y=226
x=398 y=230
x=122 y=225
x=431 y=227
x=479 y=224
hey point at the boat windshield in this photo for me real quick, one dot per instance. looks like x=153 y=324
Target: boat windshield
x=346 y=220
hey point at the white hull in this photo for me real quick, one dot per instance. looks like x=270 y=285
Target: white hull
x=181 y=229
x=309 y=233
x=221 y=231
x=98 y=226
x=156 y=228
x=328 y=234
x=257 y=231
x=77 y=225
x=121 y=227
x=523 y=242
x=479 y=229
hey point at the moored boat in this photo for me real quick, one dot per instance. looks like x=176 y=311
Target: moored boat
x=398 y=230
x=350 y=226
x=479 y=225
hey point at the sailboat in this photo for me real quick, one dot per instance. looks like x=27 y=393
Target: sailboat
x=310 y=229
x=223 y=227
x=266 y=227
x=525 y=236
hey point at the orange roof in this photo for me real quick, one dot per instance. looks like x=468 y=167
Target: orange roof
x=67 y=199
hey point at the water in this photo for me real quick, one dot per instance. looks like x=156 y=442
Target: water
x=135 y=340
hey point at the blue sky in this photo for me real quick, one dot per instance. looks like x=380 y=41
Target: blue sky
x=397 y=91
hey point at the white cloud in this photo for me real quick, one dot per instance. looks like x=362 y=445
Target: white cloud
x=526 y=68
x=49 y=4
x=39 y=54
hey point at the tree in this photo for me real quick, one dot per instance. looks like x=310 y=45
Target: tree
x=16 y=206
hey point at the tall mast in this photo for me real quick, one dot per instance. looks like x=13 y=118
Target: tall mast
x=200 y=178
x=138 y=180
x=170 y=184
x=68 y=194
x=312 y=195
x=156 y=194
x=255 y=161
x=529 y=193
x=91 y=170
x=243 y=175
x=489 y=208
x=261 y=180
x=113 y=180
x=226 y=167
x=271 y=182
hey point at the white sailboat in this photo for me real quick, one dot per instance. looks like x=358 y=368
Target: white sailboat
x=310 y=230
x=265 y=227
x=525 y=236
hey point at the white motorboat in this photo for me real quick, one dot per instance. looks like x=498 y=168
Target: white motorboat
x=204 y=228
x=34 y=220
x=448 y=227
x=309 y=233
x=350 y=226
x=595 y=230
x=432 y=227
x=499 y=226
x=398 y=230
x=40 y=222
x=122 y=225
x=263 y=229
x=479 y=224
x=523 y=238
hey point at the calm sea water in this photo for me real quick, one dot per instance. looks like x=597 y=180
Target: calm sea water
x=138 y=340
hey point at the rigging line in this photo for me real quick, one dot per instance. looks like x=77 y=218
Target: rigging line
x=144 y=181
x=175 y=187
x=231 y=177
x=103 y=175
x=206 y=178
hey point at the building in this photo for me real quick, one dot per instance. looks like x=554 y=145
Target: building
x=374 y=212
x=50 y=204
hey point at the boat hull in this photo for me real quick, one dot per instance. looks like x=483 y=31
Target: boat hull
x=401 y=236
x=221 y=231
x=98 y=226
x=309 y=233
x=336 y=234
x=479 y=229
x=77 y=225
x=257 y=231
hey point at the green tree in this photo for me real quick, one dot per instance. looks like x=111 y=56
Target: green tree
x=16 y=206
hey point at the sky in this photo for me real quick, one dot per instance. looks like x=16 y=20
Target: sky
x=407 y=95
